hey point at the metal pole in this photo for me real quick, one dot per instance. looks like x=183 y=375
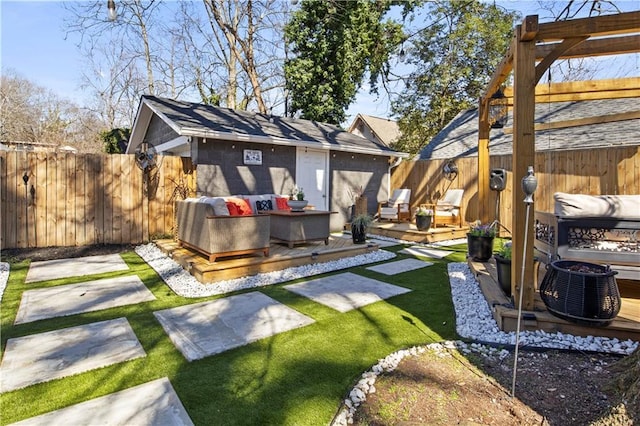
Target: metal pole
x=529 y=185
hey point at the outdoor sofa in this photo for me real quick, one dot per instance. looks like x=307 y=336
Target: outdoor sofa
x=225 y=226
x=602 y=229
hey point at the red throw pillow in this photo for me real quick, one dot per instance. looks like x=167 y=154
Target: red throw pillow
x=243 y=206
x=233 y=209
x=281 y=203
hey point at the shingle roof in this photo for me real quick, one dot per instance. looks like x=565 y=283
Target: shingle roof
x=460 y=137
x=194 y=119
x=385 y=129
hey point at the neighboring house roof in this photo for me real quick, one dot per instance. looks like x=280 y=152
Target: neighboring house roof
x=189 y=119
x=587 y=124
x=382 y=130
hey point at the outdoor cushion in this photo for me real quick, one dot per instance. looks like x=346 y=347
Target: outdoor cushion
x=263 y=205
x=281 y=203
x=218 y=203
x=611 y=206
x=233 y=209
x=243 y=206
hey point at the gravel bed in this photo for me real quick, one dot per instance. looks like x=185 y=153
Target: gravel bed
x=184 y=284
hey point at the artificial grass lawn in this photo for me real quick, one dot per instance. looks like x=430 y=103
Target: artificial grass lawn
x=298 y=377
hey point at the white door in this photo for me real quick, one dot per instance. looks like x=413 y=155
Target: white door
x=312 y=175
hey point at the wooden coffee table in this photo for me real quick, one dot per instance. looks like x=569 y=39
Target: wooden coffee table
x=300 y=227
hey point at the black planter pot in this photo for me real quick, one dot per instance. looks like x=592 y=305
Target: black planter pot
x=503 y=267
x=358 y=234
x=423 y=223
x=480 y=248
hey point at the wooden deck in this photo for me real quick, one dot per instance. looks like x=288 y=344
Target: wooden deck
x=280 y=257
x=625 y=326
x=407 y=231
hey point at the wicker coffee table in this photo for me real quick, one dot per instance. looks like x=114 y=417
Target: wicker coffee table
x=300 y=227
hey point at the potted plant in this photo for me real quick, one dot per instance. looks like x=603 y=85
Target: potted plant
x=359 y=201
x=296 y=200
x=480 y=241
x=503 y=266
x=423 y=218
x=359 y=226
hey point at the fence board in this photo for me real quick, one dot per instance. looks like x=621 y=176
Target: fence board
x=110 y=195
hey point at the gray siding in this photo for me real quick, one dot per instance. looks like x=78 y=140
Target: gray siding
x=159 y=132
x=221 y=170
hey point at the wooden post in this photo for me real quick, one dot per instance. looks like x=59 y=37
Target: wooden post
x=523 y=156
x=483 y=161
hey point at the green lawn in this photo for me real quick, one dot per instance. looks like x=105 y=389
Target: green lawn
x=298 y=377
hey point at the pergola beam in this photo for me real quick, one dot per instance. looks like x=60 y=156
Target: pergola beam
x=533 y=43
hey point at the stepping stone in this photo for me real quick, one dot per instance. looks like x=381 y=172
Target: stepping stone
x=152 y=403
x=344 y=292
x=55 y=354
x=75 y=267
x=89 y=296
x=426 y=252
x=209 y=328
x=399 y=266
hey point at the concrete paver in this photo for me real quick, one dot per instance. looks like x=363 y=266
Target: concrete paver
x=89 y=296
x=75 y=267
x=208 y=328
x=399 y=266
x=426 y=252
x=347 y=291
x=152 y=403
x=55 y=354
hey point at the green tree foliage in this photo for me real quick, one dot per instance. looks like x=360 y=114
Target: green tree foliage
x=454 y=58
x=115 y=140
x=334 y=44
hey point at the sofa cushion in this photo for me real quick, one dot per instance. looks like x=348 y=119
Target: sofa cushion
x=582 y=205
x=263 y=205
x=218 y=203
x=281 y=203
x=244 y=209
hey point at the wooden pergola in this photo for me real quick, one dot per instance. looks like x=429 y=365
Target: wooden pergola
x=534 y=47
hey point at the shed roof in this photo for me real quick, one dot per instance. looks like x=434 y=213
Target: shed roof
x=611 y=128
x=189 y=119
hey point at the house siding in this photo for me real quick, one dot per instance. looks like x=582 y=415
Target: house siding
x=222 y=172
x=159 y=132
x=350 y=171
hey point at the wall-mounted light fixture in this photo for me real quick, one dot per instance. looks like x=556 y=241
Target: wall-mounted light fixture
x=111 y=5
x=498 y=110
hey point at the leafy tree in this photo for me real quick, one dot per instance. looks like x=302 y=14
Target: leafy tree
x=115 y=140
x=454 y=58
x=334 y=44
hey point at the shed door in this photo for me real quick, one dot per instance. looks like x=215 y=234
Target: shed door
x=312 y=175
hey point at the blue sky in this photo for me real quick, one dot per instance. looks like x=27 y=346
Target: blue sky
x=33 y=44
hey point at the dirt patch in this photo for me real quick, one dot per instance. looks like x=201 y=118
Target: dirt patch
x=50 y=253
x=450 y=387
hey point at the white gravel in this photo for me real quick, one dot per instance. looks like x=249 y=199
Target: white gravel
x=184 y=284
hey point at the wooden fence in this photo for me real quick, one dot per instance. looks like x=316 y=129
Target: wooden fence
x=81 y=199
x=594 y=171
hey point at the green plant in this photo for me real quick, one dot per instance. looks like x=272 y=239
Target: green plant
x=423 y=211
x=362 y=221
x=505 y=250
x=297 y=194
x=477 y=229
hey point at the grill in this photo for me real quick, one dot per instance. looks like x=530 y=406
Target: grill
x=581 y=292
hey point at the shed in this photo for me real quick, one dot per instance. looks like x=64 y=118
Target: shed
x=240 y=152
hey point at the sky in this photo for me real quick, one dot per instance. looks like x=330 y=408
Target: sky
x=35 y=46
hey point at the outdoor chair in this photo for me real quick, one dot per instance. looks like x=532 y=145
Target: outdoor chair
x=397 y=207
x=447 y=209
